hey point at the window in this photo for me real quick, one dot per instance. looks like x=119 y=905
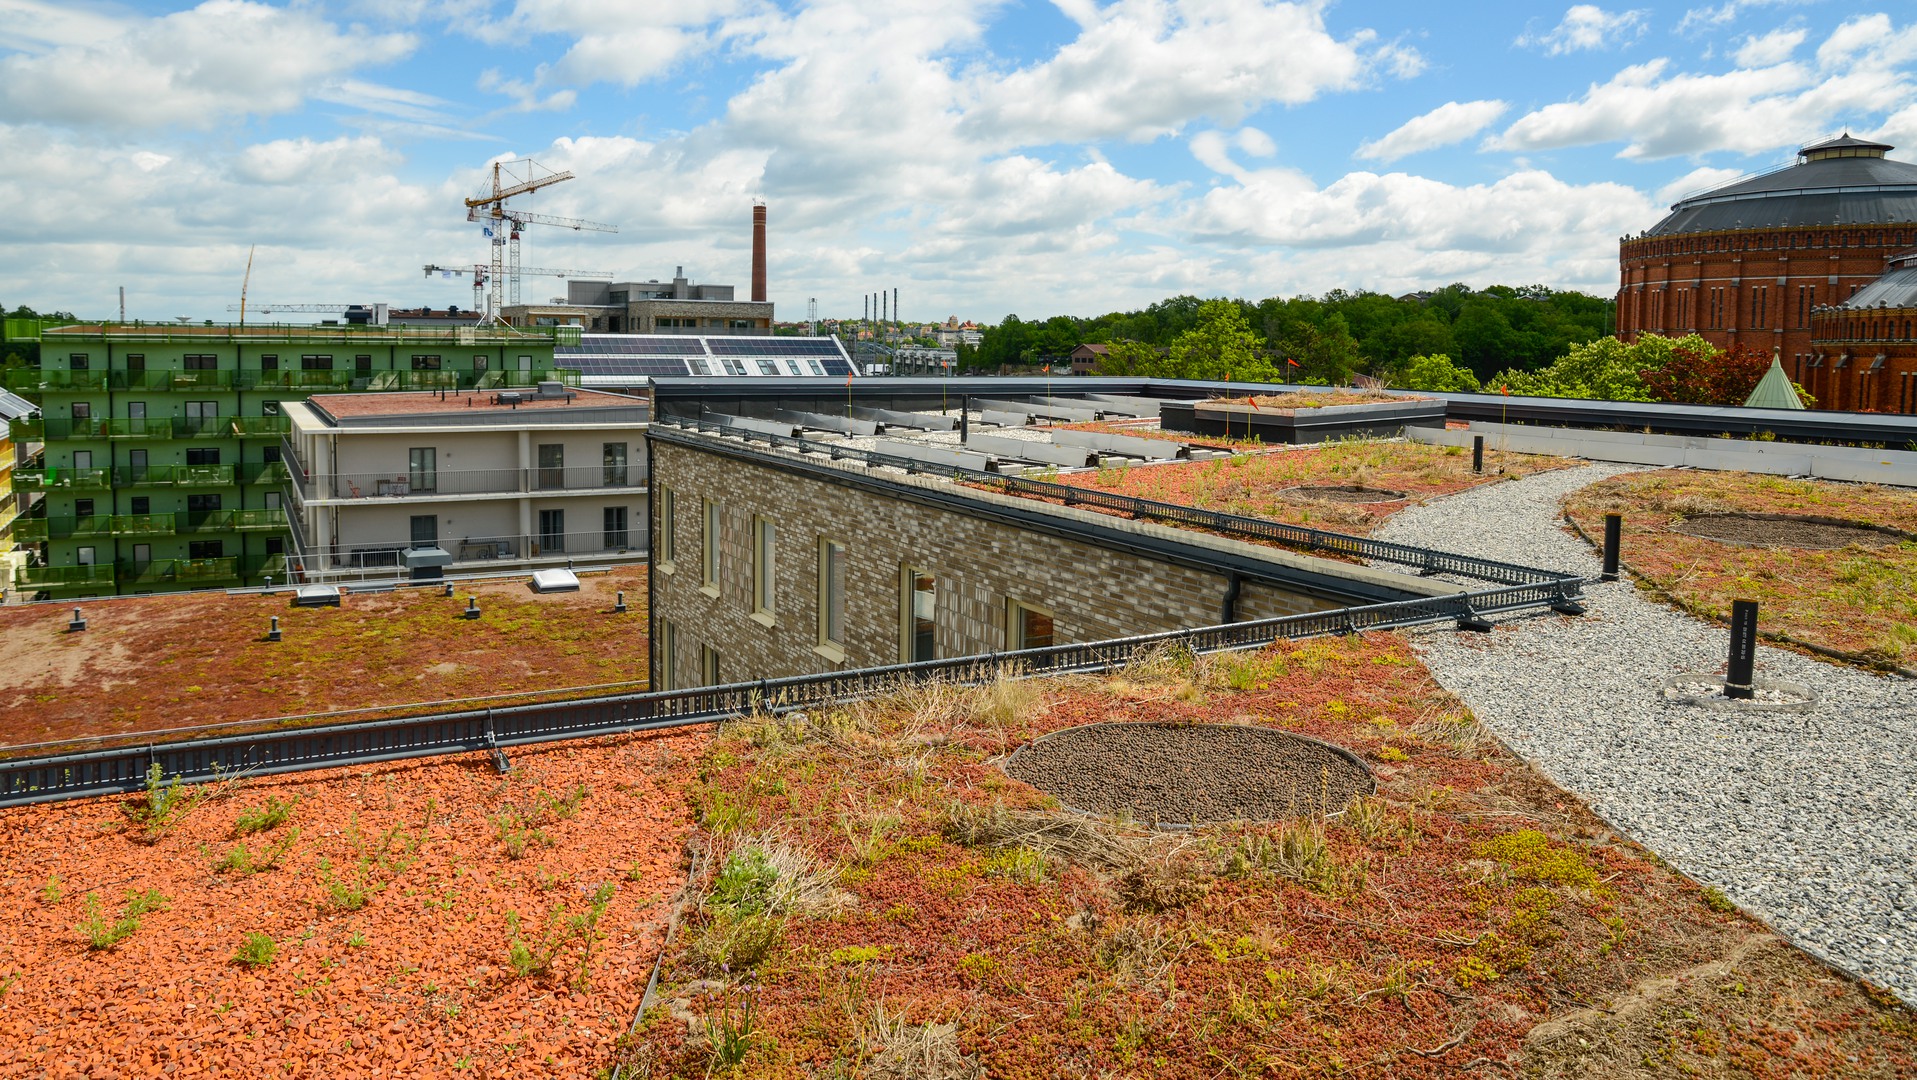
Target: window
x=136 y=410
x=201 y=505
x=314 y=362
x=269 y=362
x=764 y=567
x=200 y=362
x=142 y=504
x=422 y=471
x=708 y=666
x=668 y=654
x=86 y=556
x=425 y=530
x=272 y=500
x=615 y=527
x=82 y=508
x=269 y=408
x=276 y=545
x=362 y=365
x=142 y=555
x=83 y=459
x=203 y=455
x=202 y=410
x=613 y=458
x=83 y=410
x=425 y=363
x=831 y=593
x=552 y=531
x=668 y=539
x=1027 y=627
x=270 y=454
x=77 y=362
x=918 y=599
x=709 y=548
x=552 y=465
x=206 y=549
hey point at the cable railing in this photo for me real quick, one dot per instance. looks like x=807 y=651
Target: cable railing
x=125 y=769
x=1424 y=560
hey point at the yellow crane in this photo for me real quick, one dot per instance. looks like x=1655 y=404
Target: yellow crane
x=501 y=224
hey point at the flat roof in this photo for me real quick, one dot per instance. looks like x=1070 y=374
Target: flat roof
x=420 y=402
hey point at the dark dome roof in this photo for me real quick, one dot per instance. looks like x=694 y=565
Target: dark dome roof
x=1896 y=289
x=1841 y=181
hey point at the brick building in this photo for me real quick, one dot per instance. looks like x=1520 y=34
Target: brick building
x=768 y=564
x=1756 y=264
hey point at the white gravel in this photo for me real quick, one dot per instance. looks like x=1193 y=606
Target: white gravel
x=1807 y=820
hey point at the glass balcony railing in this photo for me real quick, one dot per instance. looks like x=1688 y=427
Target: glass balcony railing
x=35 y=380
x=99 y=427
x=172 y=380
x=49 y=577
x=96 y=526
x=272 y=473
x=173 y=475
x=230 y=521
x=62 y=479
x=294 y=380
x=187 y=572
x=28 y=429
x=255 y=427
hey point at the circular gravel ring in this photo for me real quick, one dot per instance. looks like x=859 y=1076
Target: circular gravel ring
x=1171 y=775
x=1805 y=697
x=1786 y=530
x=1341 y=493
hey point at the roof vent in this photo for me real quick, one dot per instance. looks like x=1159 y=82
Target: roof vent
x=552 y=389
x=508 y=397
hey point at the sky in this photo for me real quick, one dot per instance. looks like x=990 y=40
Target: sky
x=983 y=158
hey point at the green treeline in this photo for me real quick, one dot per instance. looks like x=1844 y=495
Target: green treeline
x=1331 y=338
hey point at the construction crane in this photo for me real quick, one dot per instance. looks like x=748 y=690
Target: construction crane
x=372 y=313
x=481 y=279
x=502 y=223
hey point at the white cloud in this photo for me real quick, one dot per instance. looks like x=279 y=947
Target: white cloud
x=195 y=68
x=1588 y=27
x=1146 y=68
x=1861 y=70
x=1448 y=123
x=1397 y=231
x=612 y=41
x=1772 y=48
x=1704 y=19
x=1702 y=178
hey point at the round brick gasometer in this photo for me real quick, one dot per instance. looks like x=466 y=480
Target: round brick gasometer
x=1191 y=774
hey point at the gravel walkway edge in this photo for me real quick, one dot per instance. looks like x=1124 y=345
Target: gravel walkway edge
x=1806 y=821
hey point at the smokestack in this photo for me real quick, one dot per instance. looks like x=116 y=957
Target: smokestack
x=758 y=253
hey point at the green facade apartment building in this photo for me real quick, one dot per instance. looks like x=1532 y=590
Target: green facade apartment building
x=155 y=463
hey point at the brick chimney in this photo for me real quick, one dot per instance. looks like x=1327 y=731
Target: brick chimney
x=758 y=253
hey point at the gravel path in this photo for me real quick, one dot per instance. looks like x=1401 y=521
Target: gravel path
x=1808 y=821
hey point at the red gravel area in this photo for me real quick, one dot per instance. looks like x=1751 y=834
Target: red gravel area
x=414 y=983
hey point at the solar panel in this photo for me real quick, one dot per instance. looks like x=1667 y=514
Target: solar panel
x=624 y=365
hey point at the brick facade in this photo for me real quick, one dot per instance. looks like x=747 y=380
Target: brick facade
x=1093 y=592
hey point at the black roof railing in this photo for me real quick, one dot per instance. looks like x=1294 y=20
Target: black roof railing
x=124 y=769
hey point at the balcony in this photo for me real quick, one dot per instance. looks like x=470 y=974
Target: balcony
x=92 y=527
x=173 y=476
x=36 y=578
x=62 y=479
x=203 y=521
x=185 y=573
x=472 y=554
x=260 y=427
x=294 y=380
x=28 y=429
x=34 y=380
x=441 y=483
x=172 y=380
x=99 y=427
x=257 y=566
x=270 y=473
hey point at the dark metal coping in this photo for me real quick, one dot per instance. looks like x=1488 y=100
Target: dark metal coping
x=1166 y=549
x=124 y=769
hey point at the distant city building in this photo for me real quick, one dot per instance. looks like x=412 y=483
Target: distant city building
x=420 y=483
x=1784 y=263
x=678 y=306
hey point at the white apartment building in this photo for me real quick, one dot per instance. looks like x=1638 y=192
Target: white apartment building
x=420 y=484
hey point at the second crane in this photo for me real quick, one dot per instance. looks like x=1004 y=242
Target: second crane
x=502 y=223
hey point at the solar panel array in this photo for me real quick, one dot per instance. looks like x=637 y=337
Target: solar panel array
x=620 y=355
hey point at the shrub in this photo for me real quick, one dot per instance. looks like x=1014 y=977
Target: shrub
x=163 y=805
x=260 y=819
x=102 y=934
x=257 y=950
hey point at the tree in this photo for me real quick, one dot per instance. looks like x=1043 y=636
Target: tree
x=1128 y=357
x=1437 y=372
x=1698 y=373
x=1222 y=346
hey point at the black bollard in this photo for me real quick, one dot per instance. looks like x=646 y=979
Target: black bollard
x=1737 y=683
x=273 y=632
x=1477 y=453
x=472 y=608
x=965 y=419
x=1613 y=536
x=78 y=624
x=619 y=606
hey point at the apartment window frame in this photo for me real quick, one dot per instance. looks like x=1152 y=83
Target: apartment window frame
x=422 y=468
x=428 y=362
x=708 y=666
x=197 y=550
x=552 y=531
x=78 y=362
x=831 y=585
x=668 y=654
x=765 y=570
x=710 y=516
x=1019 y=630
x=316 y=362
x=918 y=633
x=200 y=362
x=269 y=362
x=668 y=546
x=616 y=528
x=614 y=470
x=551 y=458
